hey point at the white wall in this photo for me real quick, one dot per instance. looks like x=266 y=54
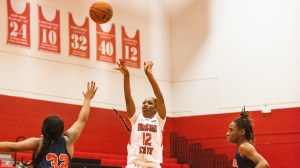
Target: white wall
x=210 y=56
x=238 y=53
x=33 y=74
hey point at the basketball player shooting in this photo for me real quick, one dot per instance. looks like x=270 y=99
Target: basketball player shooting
x=145 y=146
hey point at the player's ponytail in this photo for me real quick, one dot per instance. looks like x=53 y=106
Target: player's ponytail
x=245 y=122
x=45 y=148
x=52 y=129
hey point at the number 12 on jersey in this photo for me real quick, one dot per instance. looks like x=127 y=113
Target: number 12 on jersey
x=146 y=149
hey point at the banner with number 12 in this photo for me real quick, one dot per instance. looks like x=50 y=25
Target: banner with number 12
x=131 y=49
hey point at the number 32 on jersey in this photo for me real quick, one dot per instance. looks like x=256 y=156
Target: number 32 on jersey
x=54 y=160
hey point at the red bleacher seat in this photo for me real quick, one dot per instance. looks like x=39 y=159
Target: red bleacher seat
x=113 y=162
x=108 y=159
x=169 y=160
x=121 y=160
x=27 y=157
x=99 y=155
x=174 y=165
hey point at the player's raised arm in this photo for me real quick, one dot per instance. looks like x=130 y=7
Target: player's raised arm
x=160 y=103
x=74 y=132
x=130 y=106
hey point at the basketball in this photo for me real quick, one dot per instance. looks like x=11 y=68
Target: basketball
x=101 y=11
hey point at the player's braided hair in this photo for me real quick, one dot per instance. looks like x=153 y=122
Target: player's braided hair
x=245 y=122
x=52 y=130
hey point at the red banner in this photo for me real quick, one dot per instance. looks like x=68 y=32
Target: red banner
x=131 y=49
x=49 y=40
x=79 y=44
x=18 y=23
x=106 y=44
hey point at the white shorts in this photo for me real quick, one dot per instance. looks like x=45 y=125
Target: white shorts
x=141 y=164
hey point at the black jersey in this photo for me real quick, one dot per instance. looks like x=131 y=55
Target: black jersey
x=57 y=157
x=242 y=162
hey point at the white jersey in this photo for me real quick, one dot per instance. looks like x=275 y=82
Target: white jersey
x=146 y=139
